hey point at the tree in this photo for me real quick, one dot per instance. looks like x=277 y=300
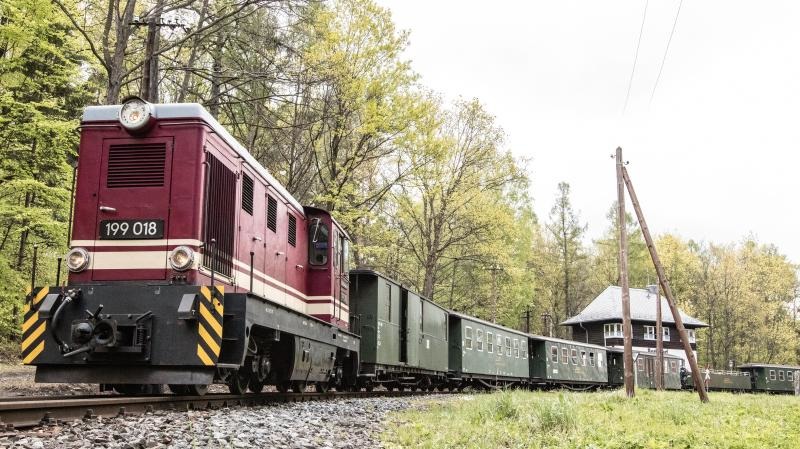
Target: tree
x=606 y=253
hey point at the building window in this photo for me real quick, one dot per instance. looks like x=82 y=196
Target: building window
x=612 y=330
x=772 y=374
x=489 y=343
x=478 y=339
x=554 y=354
x=583 y=358
x=574 y=356
x=640 y=364
x=649 y=332
x=508 y=346
x=690 y=333
x=516 y=348
x=565 y=356
x=666 y=333
x=781 y=375
x=591 y=359
x=468 y=337
x=673 y=364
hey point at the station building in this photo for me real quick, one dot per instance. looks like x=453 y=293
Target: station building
x=600 y=322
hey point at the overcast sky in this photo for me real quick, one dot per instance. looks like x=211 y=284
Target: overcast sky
x=713 y=157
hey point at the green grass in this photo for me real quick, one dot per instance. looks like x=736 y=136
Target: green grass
x=651 y=420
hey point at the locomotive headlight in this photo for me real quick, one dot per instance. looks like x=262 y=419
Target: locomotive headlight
x=181 y=258
x=78 y=259
x=136 y=114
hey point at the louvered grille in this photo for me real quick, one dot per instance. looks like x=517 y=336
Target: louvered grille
x=272 y=214
x=220 y=217
x=247 y=194
x=292 y=230
x=139 y=165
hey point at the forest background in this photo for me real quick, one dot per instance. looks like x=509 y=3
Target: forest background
x=321 y=95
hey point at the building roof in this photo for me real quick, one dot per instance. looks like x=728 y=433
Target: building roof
x=608 y=307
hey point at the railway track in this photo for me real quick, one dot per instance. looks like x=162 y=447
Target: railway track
x=25 y=412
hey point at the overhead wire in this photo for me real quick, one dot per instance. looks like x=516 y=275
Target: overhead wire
x=636 y=57
x=666 y=50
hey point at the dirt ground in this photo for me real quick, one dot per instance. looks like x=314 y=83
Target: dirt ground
x=17 y=380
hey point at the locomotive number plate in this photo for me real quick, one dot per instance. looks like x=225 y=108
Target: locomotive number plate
x=131 y=229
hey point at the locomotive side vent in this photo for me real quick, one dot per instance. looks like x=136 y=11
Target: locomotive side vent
x=272 y=214
x=138 y=165
x=247 y=194
x=220 y=216
x=292 y=230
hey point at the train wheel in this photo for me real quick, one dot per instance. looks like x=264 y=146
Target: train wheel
x=237 y=381
x=298 y=386
x=322 y=387
x=197 y=390
x=255 y=385
x=179 y=389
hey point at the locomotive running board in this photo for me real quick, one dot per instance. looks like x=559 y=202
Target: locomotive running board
x=109 y=374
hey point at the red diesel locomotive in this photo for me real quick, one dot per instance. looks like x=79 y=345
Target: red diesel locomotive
x=190 y=264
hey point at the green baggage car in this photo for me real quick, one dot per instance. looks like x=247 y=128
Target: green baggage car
x=403 y=336
x=568 y=363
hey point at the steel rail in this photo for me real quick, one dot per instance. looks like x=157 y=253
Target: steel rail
x=25 y=412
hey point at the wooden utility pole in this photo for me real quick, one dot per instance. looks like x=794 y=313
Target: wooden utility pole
x=150 y=72
x=662 y=279
x=659 y=341
x=623 y=276
x=494 y=269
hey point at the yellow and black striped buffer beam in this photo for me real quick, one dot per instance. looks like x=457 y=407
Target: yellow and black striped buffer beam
x=209 y=323
x=33 y=327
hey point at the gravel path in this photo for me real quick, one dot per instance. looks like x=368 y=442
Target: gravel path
x=340 y=424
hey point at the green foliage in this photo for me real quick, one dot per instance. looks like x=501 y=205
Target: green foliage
x=605 y=420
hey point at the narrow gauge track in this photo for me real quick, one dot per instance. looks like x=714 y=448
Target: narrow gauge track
x=25 y=412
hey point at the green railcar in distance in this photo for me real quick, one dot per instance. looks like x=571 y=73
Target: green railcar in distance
x=645 y=370
x=403 y=336
x=486 y=355
x=720 y=380
x=770 y=378
x=564 y=362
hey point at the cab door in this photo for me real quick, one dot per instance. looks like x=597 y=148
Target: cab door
x=133 y=209
x=412 y=305
x=341 y=278
x=275 y=242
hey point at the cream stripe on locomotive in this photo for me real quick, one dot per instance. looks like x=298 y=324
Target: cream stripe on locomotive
x=162 y=242
x=272 y=289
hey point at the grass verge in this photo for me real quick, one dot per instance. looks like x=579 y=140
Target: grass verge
x=651 y=420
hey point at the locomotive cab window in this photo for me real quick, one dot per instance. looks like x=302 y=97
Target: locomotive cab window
x=318 y=242
x=468 y=338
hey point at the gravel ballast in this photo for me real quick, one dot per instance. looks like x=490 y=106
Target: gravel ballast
x=337 y=424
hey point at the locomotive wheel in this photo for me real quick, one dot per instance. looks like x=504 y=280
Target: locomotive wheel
x=283 y=387
x=298 y=386
x=179 y=389
x=322 y=387
x=197 y=390
x=255 y=385
x=238 y=381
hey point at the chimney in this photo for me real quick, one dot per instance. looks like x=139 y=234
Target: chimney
x=652 y=290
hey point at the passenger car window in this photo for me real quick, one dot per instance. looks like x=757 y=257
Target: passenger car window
x=508 y=346
x=574 y=356
x=516 y=347
x=591 y=359
x=467 y=337
x=780 y=375
x=565 y=356
x=489 y=342
x=499 y=347
x=772 y=374
x=554 y=354
x=583 y=358
x=479 y=339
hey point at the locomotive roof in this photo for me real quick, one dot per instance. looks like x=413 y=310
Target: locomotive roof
x=194 y=110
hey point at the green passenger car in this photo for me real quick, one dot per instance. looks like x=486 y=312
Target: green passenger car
x=403 y=336
x=564 y=362
x=645 y=369
x=721 y=380
x=771 y=378
x=486 y=355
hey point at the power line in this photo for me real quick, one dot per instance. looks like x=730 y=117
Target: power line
x=666 y=50
x=636 y=57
